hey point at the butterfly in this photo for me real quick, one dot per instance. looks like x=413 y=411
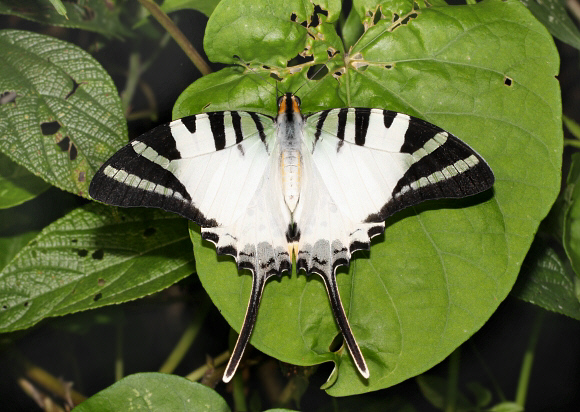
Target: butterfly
x=312 y=188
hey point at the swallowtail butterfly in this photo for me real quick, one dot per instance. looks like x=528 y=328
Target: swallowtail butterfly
x=315 y=188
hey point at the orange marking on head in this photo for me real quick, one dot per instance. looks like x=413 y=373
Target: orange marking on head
x=282 y=108
x=295 y=105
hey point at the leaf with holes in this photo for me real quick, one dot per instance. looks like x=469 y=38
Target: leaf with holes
x=545 y=281
x=441 y=269
x=93 y=15
x=17 y=185
x=94 y=256
x=63 y=116
x=553 y=14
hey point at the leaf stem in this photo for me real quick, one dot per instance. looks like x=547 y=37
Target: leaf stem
x=528 y=360
x=119 y=364
x=572 y=126
x=132 y=80
x=217 y=361
x=492 y=379
x=46 y=380
x=177 y=35
x=572 y=143
x=453 y=380
x=239 y=395
x=186 y=340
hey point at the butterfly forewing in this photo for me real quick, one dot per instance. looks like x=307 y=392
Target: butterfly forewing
x=386 y=161
x=205 y=167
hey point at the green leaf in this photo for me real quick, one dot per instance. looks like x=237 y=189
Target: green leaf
x=442 y=268
x=94 y=15
x=482 y=395
x=17 y=185
x=205 y=6
x=11 y=245
x=507 y=407
x=571 y=236
x=553 y=15
x=544 y=281
x=92 y=257
x=64 y=117
x=59 y=7
x=275 y=26
x=155 y=392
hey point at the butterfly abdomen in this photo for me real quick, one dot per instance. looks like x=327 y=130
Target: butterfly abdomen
x=290 y=124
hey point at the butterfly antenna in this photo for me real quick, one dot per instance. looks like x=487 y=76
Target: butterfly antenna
x=341 y=319
x=258 y=282
x=322 y=66
x=247 y=65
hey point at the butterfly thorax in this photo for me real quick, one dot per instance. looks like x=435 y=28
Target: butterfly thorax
x=290 y=124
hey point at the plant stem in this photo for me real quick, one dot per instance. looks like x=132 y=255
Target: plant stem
x=528 y=360
x=177 y=35
x=452 y=380
x=217 y=361
x=488 y=372
x=119 y=365
x=47 y=381
x=239 y=395
x=572 y=143
x=186 y=340
x=132 y=80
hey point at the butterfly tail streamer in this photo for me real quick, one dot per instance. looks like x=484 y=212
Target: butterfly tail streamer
x=342 y=320
x=258 y=282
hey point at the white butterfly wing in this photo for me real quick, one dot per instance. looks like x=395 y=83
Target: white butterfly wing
x=361 y=166
x=219 y=170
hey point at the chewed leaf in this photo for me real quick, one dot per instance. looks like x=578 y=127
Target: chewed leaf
x=92 y=257
x=61 y=124
x=442 y=268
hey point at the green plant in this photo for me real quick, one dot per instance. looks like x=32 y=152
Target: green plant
x=483 y=71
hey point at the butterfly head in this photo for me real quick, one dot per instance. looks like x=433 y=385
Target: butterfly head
x=288 y=104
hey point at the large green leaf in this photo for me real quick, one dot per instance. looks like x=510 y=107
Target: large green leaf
x=553 y=14
x=17 y=185
x=92 y=257
x=155 y=392
x=485 y=72
x=64 y=117
x=95 y=15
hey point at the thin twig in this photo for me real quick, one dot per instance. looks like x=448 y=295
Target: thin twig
x=217 y=361
x=528 y=361
x=177 y=35
x=186 y=340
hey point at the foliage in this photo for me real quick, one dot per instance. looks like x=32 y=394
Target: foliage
x=485 y=72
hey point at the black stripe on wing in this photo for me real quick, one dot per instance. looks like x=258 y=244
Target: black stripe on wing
x=152 y=185
x=453 y=170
